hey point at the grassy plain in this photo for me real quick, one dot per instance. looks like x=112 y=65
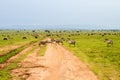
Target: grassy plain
x=90 y=47
x=92 y=50
x=13 y=45
x=15 y=39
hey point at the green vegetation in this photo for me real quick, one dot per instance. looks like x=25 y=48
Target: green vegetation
x=42 y=51
x=103 y=60
x=90 y=47
x=15 y=39
x=12 y=53
x=5 y=57
x=5 y=73
x=13 y=45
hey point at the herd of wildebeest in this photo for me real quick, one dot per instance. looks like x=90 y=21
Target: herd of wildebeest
x=68 y=40
x=58 y=41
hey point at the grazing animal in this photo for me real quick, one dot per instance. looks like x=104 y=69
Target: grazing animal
x=72 y=42
x=5 y=38
x=50 y=40
x=36 y=37
x=109 y=42
x=58 y=41
x=67 y=39
x=24 y=38
x=103 y=35
x=62 y=39
x=42 y=43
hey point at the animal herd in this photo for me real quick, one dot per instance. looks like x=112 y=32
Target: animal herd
x=70 y=42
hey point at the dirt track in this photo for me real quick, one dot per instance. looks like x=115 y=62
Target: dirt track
x=57 y=64
x=9 y=61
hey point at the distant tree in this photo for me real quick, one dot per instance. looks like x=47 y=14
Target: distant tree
x=33 y=30
x=47 y=31
x=77 y=31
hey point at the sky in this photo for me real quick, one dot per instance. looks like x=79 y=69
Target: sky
x=59 y=12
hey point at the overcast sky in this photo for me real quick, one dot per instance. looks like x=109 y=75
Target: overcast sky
x=59 y=12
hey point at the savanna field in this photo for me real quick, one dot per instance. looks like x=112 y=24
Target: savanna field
x=90 y=47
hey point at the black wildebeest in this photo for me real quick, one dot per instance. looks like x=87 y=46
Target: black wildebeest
x=71 y=42
x=109 y=42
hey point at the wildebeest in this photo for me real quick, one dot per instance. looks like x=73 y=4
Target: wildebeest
x=67 y=39
x=5 y=38
x=58 y=41
x=109 y=42
x=103 y=35
x=24 y=37
x=72 y=42
x=42 y=43
x=50 y=40
x=48 y=35
x=62 y=39
x=36 y=37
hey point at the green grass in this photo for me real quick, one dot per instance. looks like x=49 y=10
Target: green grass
x=5 y=73
x=6 y=56
x=42 y=51
x=93 y=51
x=15 y=39
x=102 y=60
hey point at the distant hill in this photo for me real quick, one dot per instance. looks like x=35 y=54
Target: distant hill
x=63 y=27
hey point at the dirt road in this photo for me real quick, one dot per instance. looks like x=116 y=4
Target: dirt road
x=57 y=64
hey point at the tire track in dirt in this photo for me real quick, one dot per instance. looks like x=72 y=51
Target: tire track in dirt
x=57 y=64
x=10 y=60
x=73 y=68
x=25 y=66
x=65 y=66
